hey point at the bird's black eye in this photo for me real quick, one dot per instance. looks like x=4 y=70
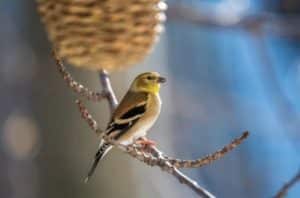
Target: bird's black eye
x=150 y=78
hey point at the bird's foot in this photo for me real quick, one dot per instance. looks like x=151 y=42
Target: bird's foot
x=145 y=143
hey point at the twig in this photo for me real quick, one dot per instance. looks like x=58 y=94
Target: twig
x=170 y=168
x=285 y=188
x=202 y=192
x=75 y=86
x=197 y=163
x=107 y=89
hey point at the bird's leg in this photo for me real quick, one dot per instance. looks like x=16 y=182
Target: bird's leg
x=145 y=143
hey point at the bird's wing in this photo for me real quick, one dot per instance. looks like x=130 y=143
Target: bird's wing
x=130 y=100
x=131 y=109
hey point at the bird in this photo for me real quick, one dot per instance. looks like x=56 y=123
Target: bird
x=134 y=116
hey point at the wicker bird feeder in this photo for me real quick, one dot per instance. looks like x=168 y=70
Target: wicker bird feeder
x=107 y=34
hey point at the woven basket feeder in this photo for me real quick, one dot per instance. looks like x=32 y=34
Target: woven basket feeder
x=102 y=34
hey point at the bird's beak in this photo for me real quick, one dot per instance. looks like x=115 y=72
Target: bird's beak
x=161 y=80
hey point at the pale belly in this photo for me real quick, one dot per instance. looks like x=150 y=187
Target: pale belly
x=143 y=125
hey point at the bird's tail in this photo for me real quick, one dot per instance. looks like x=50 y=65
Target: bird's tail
x=102 y=151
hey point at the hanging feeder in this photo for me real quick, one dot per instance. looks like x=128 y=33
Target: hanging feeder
x=102 y=34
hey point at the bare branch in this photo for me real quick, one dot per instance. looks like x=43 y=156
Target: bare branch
x=285 y=188
x=165 y=165
x=179 y=163
x=75 y=86
x=202 y=192
x=107 y=89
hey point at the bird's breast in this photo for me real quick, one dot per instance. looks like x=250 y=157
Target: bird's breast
x=142 y=126
x=153 y=106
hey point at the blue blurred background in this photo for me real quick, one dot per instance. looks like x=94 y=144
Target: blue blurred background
x=232 y=65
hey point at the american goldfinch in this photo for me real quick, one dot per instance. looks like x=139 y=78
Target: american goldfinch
x=134 y=116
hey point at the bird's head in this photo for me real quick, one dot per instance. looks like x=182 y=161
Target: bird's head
x=147 y=82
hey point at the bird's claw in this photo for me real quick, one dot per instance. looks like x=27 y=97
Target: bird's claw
x=145 y=143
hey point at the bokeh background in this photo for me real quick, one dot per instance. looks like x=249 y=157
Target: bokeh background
x=232 y=65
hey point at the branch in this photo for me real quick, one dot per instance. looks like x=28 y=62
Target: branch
x=106 y=86
x=75 y=86
x=170 y=168
x=285 y=188
x=197 y=163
